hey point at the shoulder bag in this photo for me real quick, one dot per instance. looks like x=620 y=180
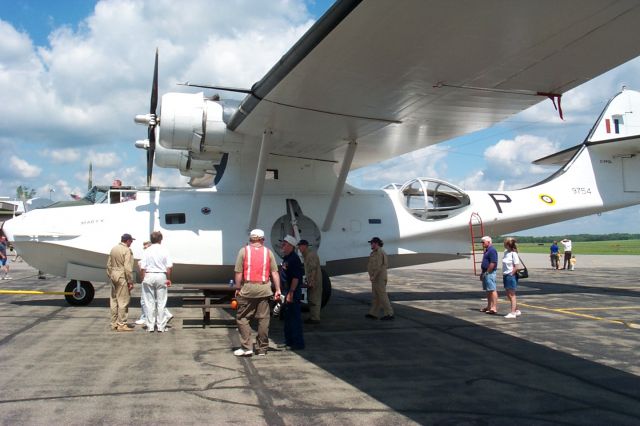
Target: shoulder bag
x=521 y=269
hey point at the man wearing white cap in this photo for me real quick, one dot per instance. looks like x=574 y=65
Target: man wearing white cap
x=254 y=264
x=291 y=274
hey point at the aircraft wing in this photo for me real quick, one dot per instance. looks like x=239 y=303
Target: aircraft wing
x=401 y=75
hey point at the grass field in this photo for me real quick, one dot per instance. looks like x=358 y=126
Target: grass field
x=588 y=247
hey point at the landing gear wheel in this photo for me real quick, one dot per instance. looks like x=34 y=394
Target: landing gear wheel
x=81 y=296
x=326 y=288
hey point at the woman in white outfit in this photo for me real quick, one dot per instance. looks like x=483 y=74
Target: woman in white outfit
x=509 y=274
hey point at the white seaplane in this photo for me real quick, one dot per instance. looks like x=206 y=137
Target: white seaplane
x=369 y=81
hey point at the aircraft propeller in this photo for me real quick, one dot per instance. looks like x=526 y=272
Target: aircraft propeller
x=151 y=120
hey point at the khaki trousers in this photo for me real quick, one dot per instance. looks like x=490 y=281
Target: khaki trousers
x=119 y=302
x=248 y=309
x=380 y=298
x=315 y=301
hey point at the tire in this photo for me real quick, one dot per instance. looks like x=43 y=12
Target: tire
x=326 y=288
x=83 y=297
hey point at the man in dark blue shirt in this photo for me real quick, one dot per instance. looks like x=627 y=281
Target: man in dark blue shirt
x=554 y=255
x=291 y=274
x=488 y=276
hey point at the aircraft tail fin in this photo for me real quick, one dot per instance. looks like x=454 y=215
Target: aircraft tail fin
x=618 y=124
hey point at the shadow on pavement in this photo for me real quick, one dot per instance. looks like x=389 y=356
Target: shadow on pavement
x=437 y=369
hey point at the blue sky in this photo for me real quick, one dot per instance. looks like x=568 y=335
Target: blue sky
x=73 y=73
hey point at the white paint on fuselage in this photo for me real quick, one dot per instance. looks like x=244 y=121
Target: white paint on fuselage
x=212 y=240
x=601 y=176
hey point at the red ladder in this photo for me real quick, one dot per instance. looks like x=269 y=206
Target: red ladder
x=476 y=229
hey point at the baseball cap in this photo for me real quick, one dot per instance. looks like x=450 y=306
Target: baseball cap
x=303 y=243
x=257 y=233
x=376 y=240
x=126 y=237
x=291 y=240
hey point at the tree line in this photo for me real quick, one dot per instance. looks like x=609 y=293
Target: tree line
x=576 y=238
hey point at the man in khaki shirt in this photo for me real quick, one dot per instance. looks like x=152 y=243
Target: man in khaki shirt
x=377 y=268
x=120 y=272
x=313 y=273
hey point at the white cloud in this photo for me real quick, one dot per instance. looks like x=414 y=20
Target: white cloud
x=103 y=159
x=510 y=159
x=425 y=162
x=66 y=155
x=23 y=168
x=85 y=88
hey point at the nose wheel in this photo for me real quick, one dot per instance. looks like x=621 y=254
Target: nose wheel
x=83 y=293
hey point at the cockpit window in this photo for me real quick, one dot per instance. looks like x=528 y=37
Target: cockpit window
x=97 y=194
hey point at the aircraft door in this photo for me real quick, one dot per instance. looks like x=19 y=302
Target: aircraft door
x=631 y=174
x=297 y=224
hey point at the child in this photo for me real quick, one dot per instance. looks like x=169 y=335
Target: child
x=572 y=261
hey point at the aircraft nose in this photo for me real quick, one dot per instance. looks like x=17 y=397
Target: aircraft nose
x=8 y=229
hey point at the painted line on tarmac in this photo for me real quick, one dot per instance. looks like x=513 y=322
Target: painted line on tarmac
x=36 y=292
x=571 y=311
x=612 y=308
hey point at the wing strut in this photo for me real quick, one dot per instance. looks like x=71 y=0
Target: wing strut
x=342 y=178
x=261 y=171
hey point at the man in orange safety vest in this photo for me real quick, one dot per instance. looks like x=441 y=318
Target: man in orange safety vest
x=254 y=265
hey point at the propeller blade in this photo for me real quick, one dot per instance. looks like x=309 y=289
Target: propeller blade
x=149 y=166
x=150 y=153
x=154 y=87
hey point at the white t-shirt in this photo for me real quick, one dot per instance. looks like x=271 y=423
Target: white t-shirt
x=509 y=258
x=155 y=259
x=566 y=244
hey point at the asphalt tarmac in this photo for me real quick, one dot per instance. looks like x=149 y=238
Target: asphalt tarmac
x=571 y=358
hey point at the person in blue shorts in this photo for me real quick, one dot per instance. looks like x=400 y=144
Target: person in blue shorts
x=3 y=258
x=488 y=275
x=509 y=274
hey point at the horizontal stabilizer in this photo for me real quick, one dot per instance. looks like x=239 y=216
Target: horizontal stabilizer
x=559 y=158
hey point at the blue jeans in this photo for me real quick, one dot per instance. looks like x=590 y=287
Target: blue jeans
x=293 y=325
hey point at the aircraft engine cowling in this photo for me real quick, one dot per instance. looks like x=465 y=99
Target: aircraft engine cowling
x=191 y=122
x=183 y=161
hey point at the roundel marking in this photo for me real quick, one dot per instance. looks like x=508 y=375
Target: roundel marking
x=547 y=199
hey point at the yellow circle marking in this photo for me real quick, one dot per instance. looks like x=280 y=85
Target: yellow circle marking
x=547 y=199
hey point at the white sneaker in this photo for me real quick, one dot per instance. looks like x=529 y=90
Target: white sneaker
x=141 y=321
x=511 y=315
x=242 y=352
x=518 y=313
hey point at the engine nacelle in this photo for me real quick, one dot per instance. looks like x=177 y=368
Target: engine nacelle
x=185 y=162
x=191 y=122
